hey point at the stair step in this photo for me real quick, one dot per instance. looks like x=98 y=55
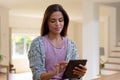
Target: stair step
x=114 y=56
x=117 y=53
x=116 y=48
x=114 y=59
x=110 y=69
x=112 y=66
x=112 y=63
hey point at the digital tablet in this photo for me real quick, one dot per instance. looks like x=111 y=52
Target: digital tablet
x=68 y=73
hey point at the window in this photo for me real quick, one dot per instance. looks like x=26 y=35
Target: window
x=21 y=44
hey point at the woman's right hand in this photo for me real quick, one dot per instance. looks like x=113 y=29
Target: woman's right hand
x=60 y=67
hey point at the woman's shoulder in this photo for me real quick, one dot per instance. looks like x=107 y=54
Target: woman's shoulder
x=70 y=41
x=37 y=38
x=37 y=41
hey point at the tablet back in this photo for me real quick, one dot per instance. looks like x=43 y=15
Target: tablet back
x=68 y=74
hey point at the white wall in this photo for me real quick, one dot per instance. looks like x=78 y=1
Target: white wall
x=118 y=26
x=78 y=36
x=21 y=65
x=112 y=29
x=104 y=34
x=75 y=34
x=4 y=34
x=17 y=21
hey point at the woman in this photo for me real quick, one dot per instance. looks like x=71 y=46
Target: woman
x=50 y=52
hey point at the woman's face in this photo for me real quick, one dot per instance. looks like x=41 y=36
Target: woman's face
x=56 y=22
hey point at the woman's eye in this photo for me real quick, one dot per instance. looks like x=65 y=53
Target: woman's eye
x=52 y=21
x=61 y=20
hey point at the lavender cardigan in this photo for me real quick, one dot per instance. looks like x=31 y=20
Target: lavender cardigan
x=36 y=56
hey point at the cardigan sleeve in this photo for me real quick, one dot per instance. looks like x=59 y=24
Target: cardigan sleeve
x=35 y=60
x=72 y=53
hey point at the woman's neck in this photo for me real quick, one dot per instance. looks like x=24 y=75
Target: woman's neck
x=56 y=40
x=54 y=37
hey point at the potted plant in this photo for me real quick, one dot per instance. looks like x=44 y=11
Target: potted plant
x=103 y=60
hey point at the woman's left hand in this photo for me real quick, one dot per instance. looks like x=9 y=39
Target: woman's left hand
x=80 y=71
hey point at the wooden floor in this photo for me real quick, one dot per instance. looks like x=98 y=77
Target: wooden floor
x=110 y=77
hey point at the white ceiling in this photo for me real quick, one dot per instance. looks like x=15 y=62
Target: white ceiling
x=37 y=7
x=107 y=1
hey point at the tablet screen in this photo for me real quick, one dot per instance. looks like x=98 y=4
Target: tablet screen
x=68 y=73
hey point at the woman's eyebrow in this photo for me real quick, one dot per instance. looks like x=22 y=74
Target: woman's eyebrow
x=58 y=18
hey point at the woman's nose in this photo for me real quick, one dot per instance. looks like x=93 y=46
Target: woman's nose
x=57 y=22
